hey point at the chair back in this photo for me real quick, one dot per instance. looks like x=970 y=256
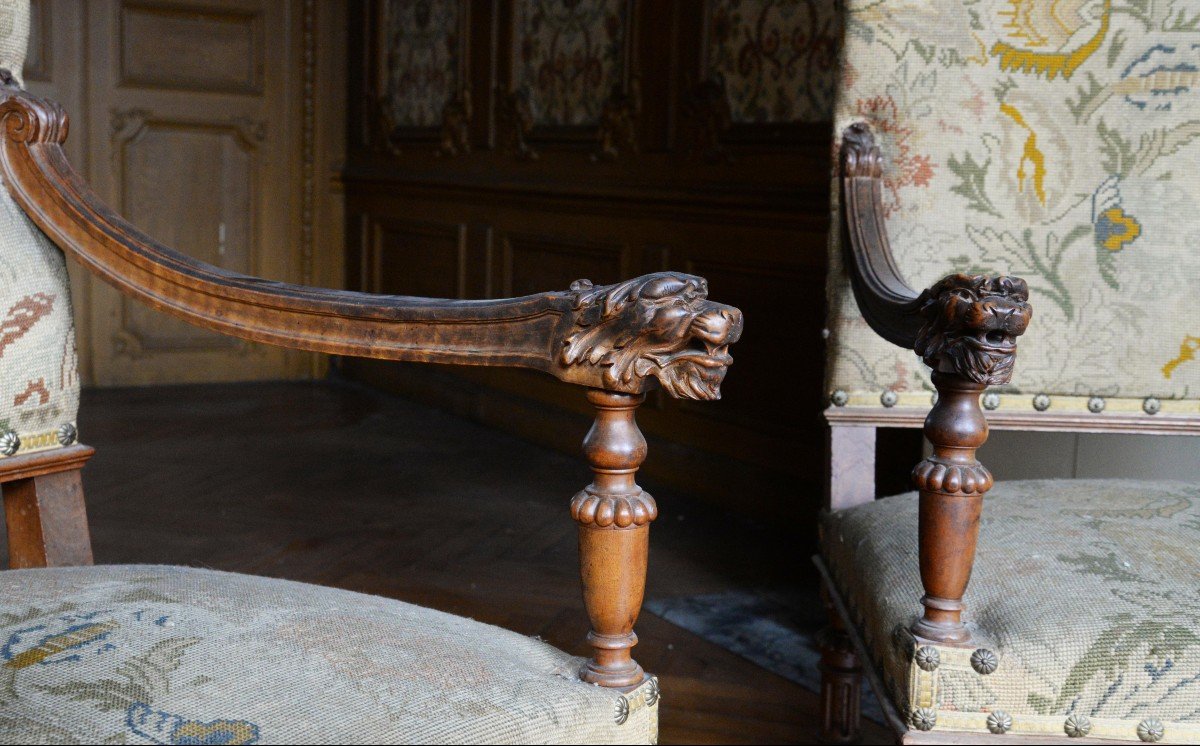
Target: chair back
x=1053 y=141
x=39 y=380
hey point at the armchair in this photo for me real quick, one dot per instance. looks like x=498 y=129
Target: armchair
x=986 y=139
x=183 y=655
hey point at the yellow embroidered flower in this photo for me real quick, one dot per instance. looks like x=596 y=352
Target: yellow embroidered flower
x=1047 y=35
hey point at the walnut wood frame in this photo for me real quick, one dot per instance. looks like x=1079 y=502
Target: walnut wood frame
x=965 y=328
x=618 y=341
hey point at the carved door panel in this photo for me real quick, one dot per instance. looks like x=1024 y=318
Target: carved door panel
x=193 y=130
x=217 y=126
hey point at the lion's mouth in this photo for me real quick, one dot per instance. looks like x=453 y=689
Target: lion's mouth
x=701 y=352
x=994 y=342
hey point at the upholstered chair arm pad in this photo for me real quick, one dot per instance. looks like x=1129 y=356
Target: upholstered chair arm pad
x=624 y=338
x=962 y=324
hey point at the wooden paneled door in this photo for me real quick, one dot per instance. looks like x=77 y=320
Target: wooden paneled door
x=198 y=120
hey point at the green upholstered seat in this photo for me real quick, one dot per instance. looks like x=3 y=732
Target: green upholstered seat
x=1085 y=593
x=148 y=654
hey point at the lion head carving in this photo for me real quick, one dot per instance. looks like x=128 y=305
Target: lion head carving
x=659 y=325
x=971 y=325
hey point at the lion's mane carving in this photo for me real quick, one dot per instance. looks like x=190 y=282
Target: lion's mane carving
x=659 y=325
x=971 y=326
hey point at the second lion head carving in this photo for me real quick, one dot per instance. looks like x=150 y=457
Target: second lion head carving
x=659 y=325
x=971 y=326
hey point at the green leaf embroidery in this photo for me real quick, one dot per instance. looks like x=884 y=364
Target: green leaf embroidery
x=972 y=183
x=1090 y=98
x=1112 y=651
x=144 y=677
x=1118 y=152
x=1040 y=266
x=1106 y=263
x=1182 y=23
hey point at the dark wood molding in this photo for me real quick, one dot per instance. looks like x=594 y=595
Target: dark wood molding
x=755 y=226
x=44 y=510
x=841 y=680
x=38 y=463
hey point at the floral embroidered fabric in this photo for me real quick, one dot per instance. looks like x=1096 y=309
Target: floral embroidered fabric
x=1054 y=141
x=39 y=380
x=1083 y=603
x=172 y=655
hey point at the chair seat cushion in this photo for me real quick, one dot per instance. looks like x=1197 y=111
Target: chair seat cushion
x=148 y=654
x=1084 y=605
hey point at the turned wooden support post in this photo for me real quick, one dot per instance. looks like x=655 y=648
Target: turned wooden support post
x=969 y=338
x=614 y=516
x=841 y=680
x=952 y=484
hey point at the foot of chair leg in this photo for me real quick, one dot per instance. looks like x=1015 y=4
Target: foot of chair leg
x=841 y=681
x=841 y=689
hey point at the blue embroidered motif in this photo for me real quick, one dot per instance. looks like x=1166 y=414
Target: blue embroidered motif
x=166 y=728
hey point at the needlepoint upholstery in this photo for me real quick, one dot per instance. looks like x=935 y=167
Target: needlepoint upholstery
x=39 y=382
x=148 y=654
x=1084 y=592
x=1054 y=141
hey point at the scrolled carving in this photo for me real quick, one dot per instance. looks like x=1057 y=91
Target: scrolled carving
x=709 y=116
x=603 y=510
x=659 y=325
x=860 y=155
x=383 y=126
x=32 y=120
x=515 y=120
x=618 y=122
x=455 y=136
x=971 y=326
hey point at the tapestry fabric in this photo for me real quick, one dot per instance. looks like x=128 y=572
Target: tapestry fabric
x=1054 y=141
x=1084 y=606
x=39 y=380
x=173 y=655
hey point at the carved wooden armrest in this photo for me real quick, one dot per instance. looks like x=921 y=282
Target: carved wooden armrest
x=625 y=337
x=618 y=340
x=965 y=328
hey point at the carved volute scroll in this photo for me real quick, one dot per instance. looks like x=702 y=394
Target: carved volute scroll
x=709 y=116
x=618 y=122
x=514 y=120
x=965 y=328
x=455 y=137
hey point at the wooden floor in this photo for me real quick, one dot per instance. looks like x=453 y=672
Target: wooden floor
x=339 y=485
